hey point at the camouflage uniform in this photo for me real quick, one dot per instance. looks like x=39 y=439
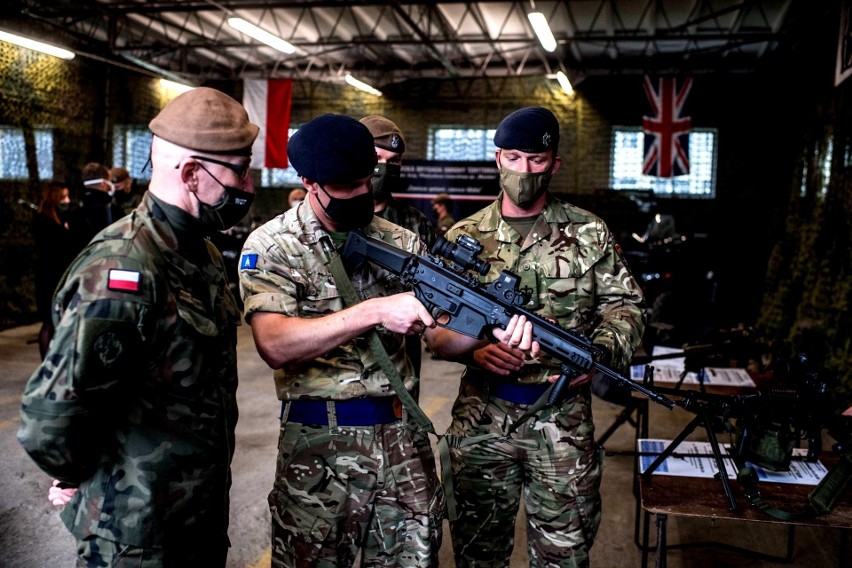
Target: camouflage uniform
x=340 y=488
x=398 y=213
x=135 y=402
x=571 y=264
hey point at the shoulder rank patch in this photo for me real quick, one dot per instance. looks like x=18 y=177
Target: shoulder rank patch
x=248 y=262
x=124 y=280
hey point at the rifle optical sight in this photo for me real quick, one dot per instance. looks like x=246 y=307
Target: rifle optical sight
x=463 y=253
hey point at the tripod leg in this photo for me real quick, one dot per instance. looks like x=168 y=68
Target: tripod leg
x=671 y=447
x=720 y=463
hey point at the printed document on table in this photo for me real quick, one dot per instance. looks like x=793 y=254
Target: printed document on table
x=695 y=459
x=669 y=371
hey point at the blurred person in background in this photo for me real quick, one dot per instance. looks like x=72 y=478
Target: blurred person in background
x=125 y=196
x=54 y=253
x=96 y=210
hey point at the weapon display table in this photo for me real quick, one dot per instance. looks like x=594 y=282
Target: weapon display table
x=665 y=496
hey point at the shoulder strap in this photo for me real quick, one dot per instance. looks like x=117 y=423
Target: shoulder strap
x=445 y=441
x=820 y=501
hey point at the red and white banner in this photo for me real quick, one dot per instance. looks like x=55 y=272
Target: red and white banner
x=268 y=105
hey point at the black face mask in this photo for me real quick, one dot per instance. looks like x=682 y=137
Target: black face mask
x=229 y=211
x=351 y=213
x=385 y=180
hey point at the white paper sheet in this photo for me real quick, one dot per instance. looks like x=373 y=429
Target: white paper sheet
x=695 y=459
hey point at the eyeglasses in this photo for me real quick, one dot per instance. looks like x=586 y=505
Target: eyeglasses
x=242 y=171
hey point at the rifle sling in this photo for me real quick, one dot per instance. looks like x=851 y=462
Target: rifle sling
x=820 y=501
x=445 y=441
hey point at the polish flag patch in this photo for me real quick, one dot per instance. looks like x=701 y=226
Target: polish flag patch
x=124 y=280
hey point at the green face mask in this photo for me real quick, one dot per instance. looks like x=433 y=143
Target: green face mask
x=523 y=188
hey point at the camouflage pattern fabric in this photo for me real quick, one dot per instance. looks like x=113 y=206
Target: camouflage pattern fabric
x=366 y=487
x=551 y=458
x=445 y=224
x=135 y=401
x=399 y=213
x=338 y=489
x=284 y=270
x=412 y=219
x=95 y=552
x=578 y=279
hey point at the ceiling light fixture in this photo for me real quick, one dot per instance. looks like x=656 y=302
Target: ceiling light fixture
x=564 y=83
x=158 y=71
x=262 y=36
x=362 y=85
x=36 y=45
x=542 y=30
x=175 y=86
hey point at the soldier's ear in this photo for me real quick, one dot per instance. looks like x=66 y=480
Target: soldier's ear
x=188 y=171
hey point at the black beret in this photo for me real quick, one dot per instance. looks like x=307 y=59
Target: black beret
x=530 y=129
x=332 y=148
x=207 y=120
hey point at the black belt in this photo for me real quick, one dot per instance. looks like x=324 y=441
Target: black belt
x=510 y=392
x=354 y=412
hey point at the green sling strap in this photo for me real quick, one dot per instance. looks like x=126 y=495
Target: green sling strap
x=820 y=501
x=445 y=441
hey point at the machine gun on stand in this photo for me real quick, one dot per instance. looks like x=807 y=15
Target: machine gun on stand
x=458 y=301
x=768 y=425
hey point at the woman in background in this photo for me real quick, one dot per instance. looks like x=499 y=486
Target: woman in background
x=54 y=253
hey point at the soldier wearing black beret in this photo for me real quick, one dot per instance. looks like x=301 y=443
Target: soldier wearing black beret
x=568 y=259
x=343 y=428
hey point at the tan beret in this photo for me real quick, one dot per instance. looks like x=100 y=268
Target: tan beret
x=385 y=133
x=207 y=120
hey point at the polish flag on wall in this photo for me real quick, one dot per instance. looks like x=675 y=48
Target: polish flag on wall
x=268 y=105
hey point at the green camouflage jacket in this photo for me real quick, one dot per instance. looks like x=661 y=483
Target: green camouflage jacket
x=404 y=215
x=135 y=401
x=575 y=272
x=284 y=270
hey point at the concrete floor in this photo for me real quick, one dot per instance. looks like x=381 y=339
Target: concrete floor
x=31 y=535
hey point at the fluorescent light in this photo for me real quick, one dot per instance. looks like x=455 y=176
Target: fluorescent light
x=262 y=36
x=542 y=30
x=564 y=83
x=37 y=45
x=163 y=73
x=175 y=86
x=362 y=85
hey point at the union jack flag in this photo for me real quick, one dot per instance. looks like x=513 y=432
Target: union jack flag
x=667 y=132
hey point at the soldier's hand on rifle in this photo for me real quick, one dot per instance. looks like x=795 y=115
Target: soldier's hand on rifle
x=514 y=346
x=407 y=315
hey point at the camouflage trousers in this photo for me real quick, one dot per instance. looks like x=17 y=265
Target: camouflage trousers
x=552 y=458
x=97 y=552
x=372 y=488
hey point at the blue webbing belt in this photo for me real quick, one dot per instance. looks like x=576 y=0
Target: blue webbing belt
x=354 y=412
x=510 y=392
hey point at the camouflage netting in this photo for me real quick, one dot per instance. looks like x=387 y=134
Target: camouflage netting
x=55 y=116
x=809 y=277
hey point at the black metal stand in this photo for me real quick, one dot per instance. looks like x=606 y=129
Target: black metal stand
x=703 y=417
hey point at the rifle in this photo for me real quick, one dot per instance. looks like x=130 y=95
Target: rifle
x=458 y=301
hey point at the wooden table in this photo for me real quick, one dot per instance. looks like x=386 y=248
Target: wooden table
x=664 y=495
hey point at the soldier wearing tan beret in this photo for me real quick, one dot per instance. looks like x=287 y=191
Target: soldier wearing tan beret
x=134 y=408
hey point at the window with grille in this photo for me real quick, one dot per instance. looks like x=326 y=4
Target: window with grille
x=131 y=148
x=462 y=144
x=13 y=153
x=628 y=156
